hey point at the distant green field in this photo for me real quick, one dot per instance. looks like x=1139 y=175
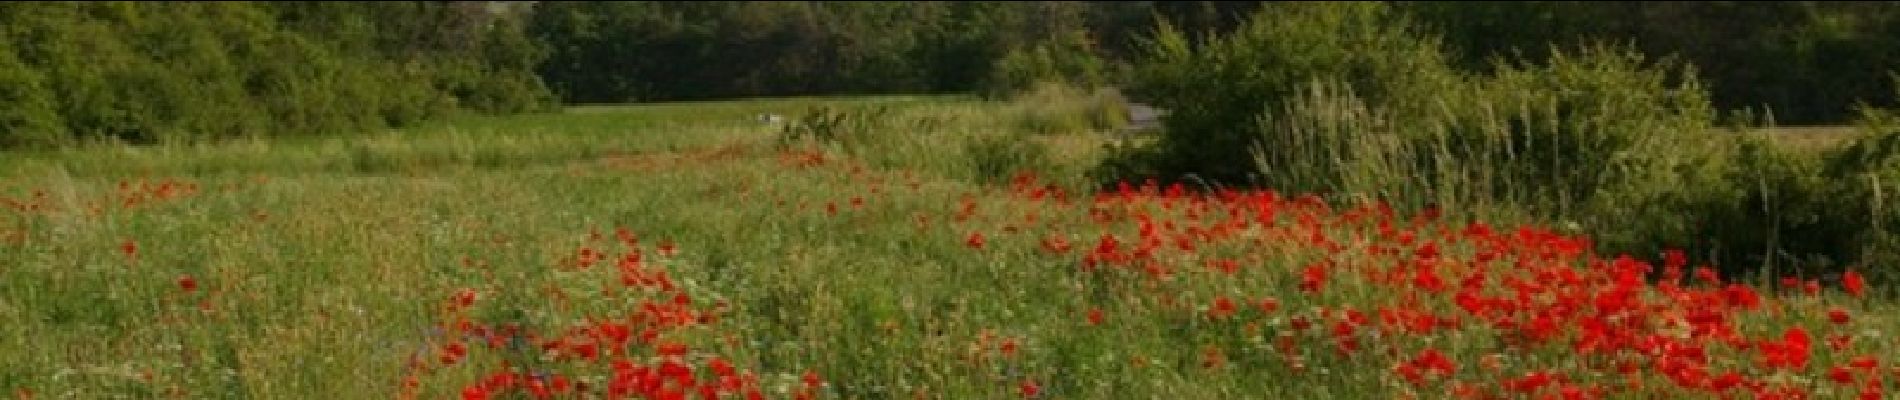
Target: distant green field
x=1814 y=137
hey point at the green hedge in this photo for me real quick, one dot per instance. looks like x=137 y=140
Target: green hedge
x=196 y=71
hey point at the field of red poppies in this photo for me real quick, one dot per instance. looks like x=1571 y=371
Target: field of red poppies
x=738 y=270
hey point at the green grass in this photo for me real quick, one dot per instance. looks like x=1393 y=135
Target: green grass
x=320 y=259
x=322 y=265
x=1815 y=138
x=578 y=133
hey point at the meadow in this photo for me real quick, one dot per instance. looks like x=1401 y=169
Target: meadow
x=683 y=250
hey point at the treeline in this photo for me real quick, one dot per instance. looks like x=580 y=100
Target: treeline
x=180 y=72
x=662 y=50
x=1807 y=62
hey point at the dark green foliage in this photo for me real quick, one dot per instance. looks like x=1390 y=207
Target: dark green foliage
x=1554 y=136
x=1344 y=98
x=1808 y=62
x=656 y=51
x=1866 y=181
x=1216 y=91
x=30 y=117
x=1069 y=59
x=199 y=71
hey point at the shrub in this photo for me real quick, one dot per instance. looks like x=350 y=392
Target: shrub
x=1068 y=58
x=1215 y=93
x=28 y=113
x=1866 y=178
x=1554 y=136
x=193 y=72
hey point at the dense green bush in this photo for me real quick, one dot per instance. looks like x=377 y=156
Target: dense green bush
x=29 y=116
x=1764 y=210
x=1809 y=62
x=1866 y=180
x=1216 y=91
x=1067 y=59
x=201 y=71
x=1557 y=134
x=1337 y=99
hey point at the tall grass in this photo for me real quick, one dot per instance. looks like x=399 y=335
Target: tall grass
x=1054 y=130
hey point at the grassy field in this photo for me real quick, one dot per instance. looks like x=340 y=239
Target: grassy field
x=674 y=250
x=1813 y=137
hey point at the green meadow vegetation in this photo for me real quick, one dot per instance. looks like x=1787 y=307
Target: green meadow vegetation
x=666 y=200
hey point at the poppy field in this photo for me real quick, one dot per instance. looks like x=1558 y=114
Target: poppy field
x=635 y=265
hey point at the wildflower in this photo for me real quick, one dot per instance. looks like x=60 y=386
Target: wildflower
x=1840 y=375
x=1428 y=361
x=475 y=393
x=1030 y=389
x=811 y=380
x=187 y=283
x=453 y=353
x=1222 y=308
x=465 y=298
x=1743 y=296
x=1211 y=358
x=1792 y=351
x=1269 y=305
x=721 y=367
x=1865 y=363
x=1312 y=278
x=1853 y=284
x=1056 y=244
x=1838 y=316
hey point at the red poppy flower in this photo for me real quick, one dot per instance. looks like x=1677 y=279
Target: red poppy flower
x=1853 y=283
x=475 y=393
x=1838 y=316
x=1222 y=308
x=1030 y=389
x=1840 y=375
x=811 y=380
x=1269 y=305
